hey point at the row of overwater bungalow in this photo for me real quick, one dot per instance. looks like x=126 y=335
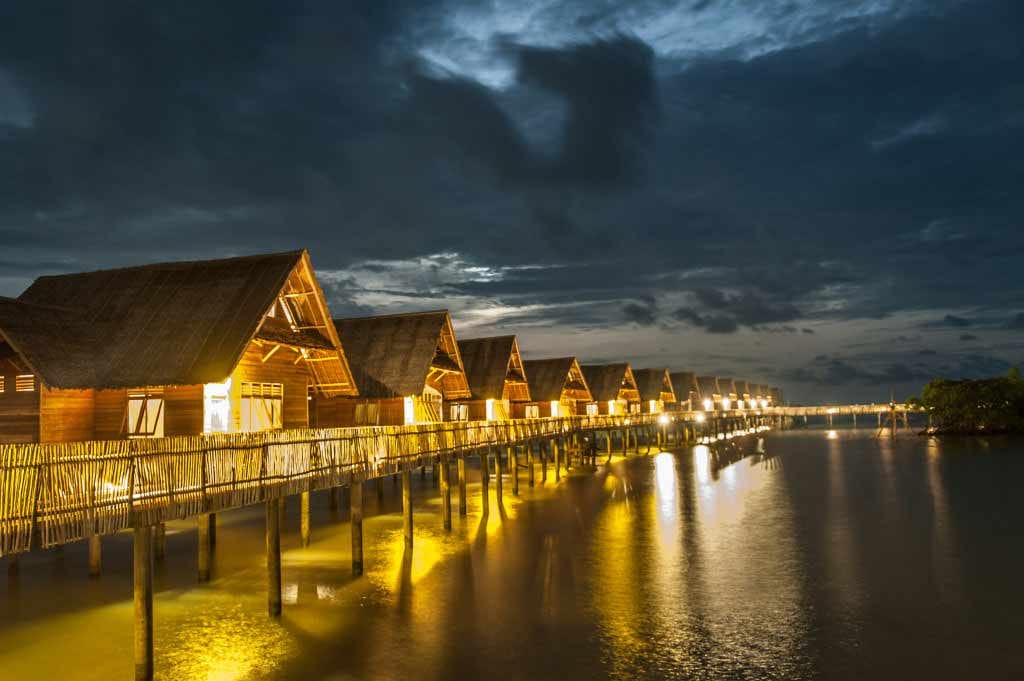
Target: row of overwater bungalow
x=249 y=344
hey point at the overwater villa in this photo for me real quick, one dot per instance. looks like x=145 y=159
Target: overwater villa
x=686 y=389
x=180 y=348
x=710 y=393
x=730 y=397
x=557 y=388
x=655 y=388
x=494 y=370
x=407 y=369
x=613 y=388
x=743 y=398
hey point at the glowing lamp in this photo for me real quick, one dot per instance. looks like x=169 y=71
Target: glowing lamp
x=726 y=403
x=708 y=405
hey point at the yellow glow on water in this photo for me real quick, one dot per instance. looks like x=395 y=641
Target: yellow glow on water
x=665 y=477
x=832 y=435
x=426 y=553
x=702 y=463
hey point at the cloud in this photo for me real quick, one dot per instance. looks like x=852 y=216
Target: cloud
x=968 y=337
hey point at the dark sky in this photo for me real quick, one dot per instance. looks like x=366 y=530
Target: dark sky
x=820 y=194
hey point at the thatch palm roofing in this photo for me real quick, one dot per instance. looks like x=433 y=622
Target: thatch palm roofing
x=488 y=363
x=653 y=382
x=393 y=355
x=683 y=383
x=708 y=386
x=177 y=323
x=606 y=380
x=548 y=378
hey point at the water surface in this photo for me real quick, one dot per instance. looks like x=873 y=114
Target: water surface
x=800 y=555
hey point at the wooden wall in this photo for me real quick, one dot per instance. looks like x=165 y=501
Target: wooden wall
x=110 y=411
x=66 y=415
x=342 y=412
x=19 y=412
x=279 y=368
x=183 y=410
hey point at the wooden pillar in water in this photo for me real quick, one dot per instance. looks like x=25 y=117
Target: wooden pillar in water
x=497 y=474
x=142 y=573
x=95 y=555
x=12 y=565
x=332 y=499
x=304 y=519
x=529 y=463
x=213 y=529
x=356 y=520
x=380 y=491
x=513 y=469
x=485 y=481
x=446 y=494
x=462 y=485
x=203 y=546
x=407 y=506
x=558 y=459
x=159 y=541
x=274 y=557
x=543 y=463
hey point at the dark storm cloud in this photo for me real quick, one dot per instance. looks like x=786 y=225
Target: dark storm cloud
x=865 y=172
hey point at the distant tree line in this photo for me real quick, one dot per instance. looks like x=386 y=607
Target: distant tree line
x=989 y=405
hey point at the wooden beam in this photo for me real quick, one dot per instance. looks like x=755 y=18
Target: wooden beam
x=271 y=353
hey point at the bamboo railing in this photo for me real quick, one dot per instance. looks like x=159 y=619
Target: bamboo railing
x=53 y=494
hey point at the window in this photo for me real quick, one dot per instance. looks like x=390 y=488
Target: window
x=532 y=411
x=459 y=412
x=217 y=407
x=145 y=415
x=25 y=383
x=592 y=409
x=261 y=406
x=3 y=382
x=634 y=407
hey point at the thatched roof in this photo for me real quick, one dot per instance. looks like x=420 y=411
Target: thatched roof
x=490 y=362
x=742 y=388
x=683 y=383
x=757 y=391
x=177 y=323
x=708 y=387
x=607 y=380
x=653 y=382
x=727 y=386
x=548 y=378
x=395 y=355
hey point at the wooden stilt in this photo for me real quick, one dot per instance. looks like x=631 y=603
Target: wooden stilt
x=529 y=464
x=380 y=491
x=159 y=541
x=497 y=474
x=203 y=546
x=462 y=486
x=446 y=494
x=12 y=566
x=332 y=499
x=213 y=530
x=356 y=519
x=304 y=518
x=543 y=464
x=558 y=460
x=282 y=512
x=407 y=506
x=142 y=573
x=274 y=557
x=485 y=479
x=513 y=469
x=95 y=556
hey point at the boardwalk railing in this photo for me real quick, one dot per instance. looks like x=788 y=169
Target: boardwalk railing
x=62 y=492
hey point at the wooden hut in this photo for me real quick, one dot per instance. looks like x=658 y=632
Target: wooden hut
x=180 y=348
x=407 y=368
x=727 y=386
x=557 y=388
x=775 y=398
x=494 y=370
x=687 y=391
x=710 y=393
x=613 y=388
x=759 y=395
x=743 y=397
x=655 y=388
